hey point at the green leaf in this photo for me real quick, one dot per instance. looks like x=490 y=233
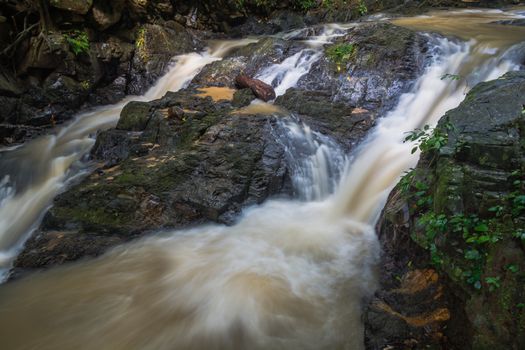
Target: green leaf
x=481 y=228
x=472 y=254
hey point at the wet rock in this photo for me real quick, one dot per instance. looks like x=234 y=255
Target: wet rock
x=197 y=163
x=385 y=61
x=248 y=60
x=479 y=254
x=107 y=13
x=512 y=22
x=259 y=88
x=77 y=6
x=155 y=47
x=345 y=123
x=242 y=98
x=134 y=116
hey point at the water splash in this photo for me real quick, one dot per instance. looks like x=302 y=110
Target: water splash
x=286 y=74
x=314 y=160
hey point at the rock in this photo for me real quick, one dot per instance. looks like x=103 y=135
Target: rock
x=8 y=84
x=259 y=88
x=45 y=53
x=134 y=116
x=473 y=181
x=347 y=124
x=76 y=6
x=242 y=98
x=107 y=13
x=385 y=62
x=249 y=60
x=175 y=172
x=155 y=47
x=512 y=22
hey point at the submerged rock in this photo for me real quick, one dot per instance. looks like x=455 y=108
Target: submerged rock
x=470 y=232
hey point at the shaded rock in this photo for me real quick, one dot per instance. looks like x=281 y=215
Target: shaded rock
x=155 y=47
x=8 y=84
x=77 y=6
x=134 y=116
x=259 y=88
x=107 y=13
x=242 y=98
x=45 y=53
x=479 y=253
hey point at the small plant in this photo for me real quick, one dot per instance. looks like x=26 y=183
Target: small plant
x=140 y=44
x=305 y=5
x=362 y=9
x=493 y=282
x=85 y=84
x=428 y=139
x=519 y=234
x=78 y=41
x=341 y=53
x=406 y=181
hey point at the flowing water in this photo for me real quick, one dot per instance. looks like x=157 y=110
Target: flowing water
x=289 y=274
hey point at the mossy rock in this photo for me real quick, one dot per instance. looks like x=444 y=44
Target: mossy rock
x=134 y=116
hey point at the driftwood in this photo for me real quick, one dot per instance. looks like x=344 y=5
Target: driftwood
x=260 y=89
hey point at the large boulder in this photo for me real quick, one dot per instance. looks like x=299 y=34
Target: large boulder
x=107 y=13
x=460 y=213
x=80 y=7
x=181 y=160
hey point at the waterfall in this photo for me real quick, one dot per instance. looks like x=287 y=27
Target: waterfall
x=288 y=275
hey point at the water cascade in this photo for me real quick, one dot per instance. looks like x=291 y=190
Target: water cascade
x=287 y=275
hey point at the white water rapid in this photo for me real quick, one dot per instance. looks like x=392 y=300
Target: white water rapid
x=288 y=275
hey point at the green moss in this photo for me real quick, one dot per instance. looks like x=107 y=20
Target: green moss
x=140 y=44
x=341 y=54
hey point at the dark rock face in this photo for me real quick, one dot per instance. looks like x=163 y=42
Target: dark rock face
x=477 y=257
x=110 y=70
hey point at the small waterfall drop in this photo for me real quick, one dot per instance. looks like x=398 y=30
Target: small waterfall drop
x=314 y=160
